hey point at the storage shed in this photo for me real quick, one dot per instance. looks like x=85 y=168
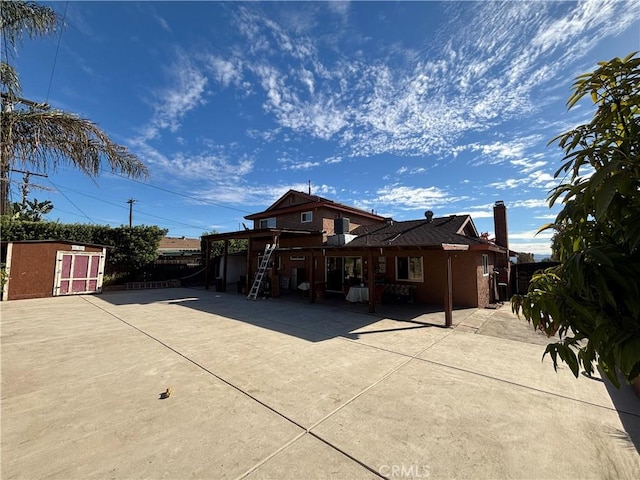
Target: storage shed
x=47 y=268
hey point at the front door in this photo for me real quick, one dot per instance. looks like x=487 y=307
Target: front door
x=78 y=272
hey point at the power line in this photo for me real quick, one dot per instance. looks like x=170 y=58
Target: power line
x=70 y=201
x=55 y=58
x=141 y=212
x=176 y=193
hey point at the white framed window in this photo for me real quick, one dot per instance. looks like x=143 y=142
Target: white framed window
x=409 y=269
x=485 y=264
x=268 y=223
x=297 y=258
x=306 y=217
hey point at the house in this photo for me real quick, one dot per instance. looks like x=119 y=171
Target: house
x=47 y=268
x=180 y=250
x=331 y=248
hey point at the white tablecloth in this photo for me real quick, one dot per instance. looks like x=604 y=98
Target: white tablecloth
x=358 y=294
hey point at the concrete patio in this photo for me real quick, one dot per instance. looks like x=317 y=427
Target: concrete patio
x=286 y=389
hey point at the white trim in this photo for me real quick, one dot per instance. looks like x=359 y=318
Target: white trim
x=485 y=265
x=5 y=291
x=75 y=254
x=302 y=214
x=266 y=220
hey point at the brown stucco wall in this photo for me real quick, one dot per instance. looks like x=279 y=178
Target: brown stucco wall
x=32 y=269
x=432 y=289
x=322 y=220
x=470 y=286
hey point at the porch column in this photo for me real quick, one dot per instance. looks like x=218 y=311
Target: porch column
x=312 y=279
x=371 y=282
x=224 y=264
x=248 y=281
x=448 y=295
x=207 y=263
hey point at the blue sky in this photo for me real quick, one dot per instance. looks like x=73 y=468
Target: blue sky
x=396 y=107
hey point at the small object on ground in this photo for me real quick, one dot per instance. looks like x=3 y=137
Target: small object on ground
x=166 y=393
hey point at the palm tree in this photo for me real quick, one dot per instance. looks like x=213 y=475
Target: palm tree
x=37 y=136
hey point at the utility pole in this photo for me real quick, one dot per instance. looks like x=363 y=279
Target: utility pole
x=25 y=183
x=131 y=201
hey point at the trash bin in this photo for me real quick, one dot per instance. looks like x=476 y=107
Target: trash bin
x=219 y=284
x=502 y=291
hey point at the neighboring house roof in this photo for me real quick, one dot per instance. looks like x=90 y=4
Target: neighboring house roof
x=455 y=229
x=303 y=202
x=178 y=244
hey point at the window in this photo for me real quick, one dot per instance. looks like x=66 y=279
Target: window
x=485 y=264
x=409 y=268
x=306 y=217
x=268 y=223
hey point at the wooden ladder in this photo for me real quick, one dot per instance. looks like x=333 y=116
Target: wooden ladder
x=257 y=282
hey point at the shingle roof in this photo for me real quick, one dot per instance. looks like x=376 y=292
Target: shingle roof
x=278 y=206
x=179 y=243
x=416 y=233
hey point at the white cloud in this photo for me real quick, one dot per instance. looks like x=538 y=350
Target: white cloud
x=531 y=235
x=332 y=160
x=408 y=198
x=476 y=213
x=531 y=203
x=185 y=93
x=537 y=248
x=226 y=72
x=528 y=165
x=508 y=184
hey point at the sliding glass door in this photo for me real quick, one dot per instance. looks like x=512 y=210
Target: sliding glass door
x=342 y=272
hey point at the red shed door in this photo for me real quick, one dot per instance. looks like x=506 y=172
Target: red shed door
x=78 y=272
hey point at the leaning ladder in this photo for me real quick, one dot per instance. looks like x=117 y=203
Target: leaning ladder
x=257 y=282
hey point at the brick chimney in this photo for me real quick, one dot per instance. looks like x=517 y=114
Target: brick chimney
x=502 y=265
x=500 y=224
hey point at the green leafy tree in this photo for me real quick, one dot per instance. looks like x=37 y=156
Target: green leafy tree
x=592 y=299
x=525 y=258
x=132 y=248
x=36 y=136
x=217 y=248
x=32 y=210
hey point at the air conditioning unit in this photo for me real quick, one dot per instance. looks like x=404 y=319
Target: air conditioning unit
x=340 y=226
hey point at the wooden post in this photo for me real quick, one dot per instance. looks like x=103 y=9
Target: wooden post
x=207 y=263
x=224 y=264
x=448 y=295
x=371 y=284
x=312 y=279
x=248 y=281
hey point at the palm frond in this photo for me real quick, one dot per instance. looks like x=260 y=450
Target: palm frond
x=19 y=17
x=9 y=80
x=47 y=139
